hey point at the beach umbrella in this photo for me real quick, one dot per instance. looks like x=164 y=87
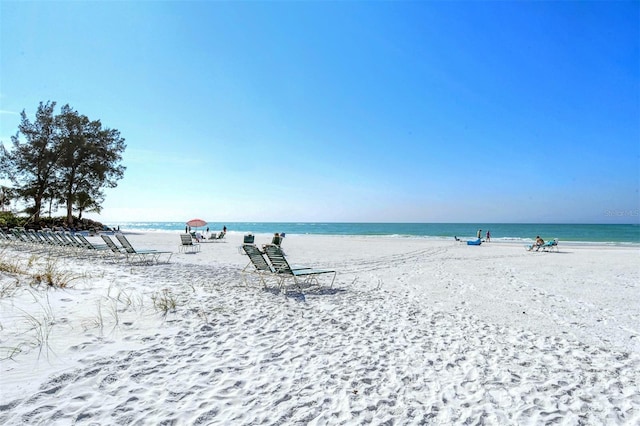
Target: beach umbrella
x=196 y=223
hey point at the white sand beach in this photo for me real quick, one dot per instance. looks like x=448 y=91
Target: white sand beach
x=414 y=331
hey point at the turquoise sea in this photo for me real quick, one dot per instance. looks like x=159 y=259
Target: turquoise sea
x=579 y=233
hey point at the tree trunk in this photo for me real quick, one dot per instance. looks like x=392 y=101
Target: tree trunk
x=70 y=213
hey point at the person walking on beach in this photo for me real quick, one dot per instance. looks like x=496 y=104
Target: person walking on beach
x=488 y=237
x=479 y=233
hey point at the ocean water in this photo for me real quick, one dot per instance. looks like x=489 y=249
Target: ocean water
x=610 y=234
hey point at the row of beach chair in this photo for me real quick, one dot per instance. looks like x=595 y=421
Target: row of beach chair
x=272 y=263
x=66 y=243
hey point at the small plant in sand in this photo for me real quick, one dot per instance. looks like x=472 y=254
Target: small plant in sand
x=128 y=299
x=379 y=286
x=202 y=313
x=94 y=322
x=113 y=310
x=111 y=306
x=8 y=288
x=40 y=325
x=164 y=301
x=10 y=266
x=50 y=275
x=53 y=276
x=32 y=259
x=9 y=352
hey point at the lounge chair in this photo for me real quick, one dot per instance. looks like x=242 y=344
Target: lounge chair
x=540 y=244
x=187 y=245
x=6 y=238
x=144 y=256
x=46 y=236
x=217 y=237
x=550 y=245
x=283 y=270
x=20 y=236
x=70 y=243
x=98 y=248
x=257 y=265
x=117 y=251
x=57 y=241
x=277 y=239
x=114 y=248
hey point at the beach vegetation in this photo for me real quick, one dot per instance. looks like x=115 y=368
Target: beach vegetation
x=61 y=160
x=8 y=288
x=10 y=266
x=52 y=276
x=10 y=220
x=40 y=326
x=112 y=306
x=164 y=301
x=9 y=352
x=129 y=299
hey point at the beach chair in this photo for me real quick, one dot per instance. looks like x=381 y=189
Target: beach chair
x=101 y=249
x=300 y=275
x=21 y=237
x=258 y=265
x=187 y=245
x=44 y=235
x=536 y=246
x=53 y=241
x=28 y=238
x=550 y=245
x=218 y=238
x=69 y=242
x=115 y=250
x=144 y=256
x=59 y=238
x=37 y=237
x=6 y=238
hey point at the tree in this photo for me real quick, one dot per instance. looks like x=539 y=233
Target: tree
x=6 y=195
x=89 y=160
x=31 y=164
x=66 y=158
x=85 y=203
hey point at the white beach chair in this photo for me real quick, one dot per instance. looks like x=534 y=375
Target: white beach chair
x=187 y=245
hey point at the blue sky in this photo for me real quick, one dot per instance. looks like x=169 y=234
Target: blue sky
x=345 y=111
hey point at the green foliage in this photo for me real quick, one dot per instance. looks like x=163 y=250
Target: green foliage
x=9 y=220
x=62 y=159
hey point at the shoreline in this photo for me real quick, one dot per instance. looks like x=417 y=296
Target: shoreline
x=602 y=233
x=505 y=241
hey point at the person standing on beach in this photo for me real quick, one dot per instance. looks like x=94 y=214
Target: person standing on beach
x=479 y=233
x=488 y=237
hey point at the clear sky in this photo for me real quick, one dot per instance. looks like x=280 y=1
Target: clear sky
x=352 y=111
